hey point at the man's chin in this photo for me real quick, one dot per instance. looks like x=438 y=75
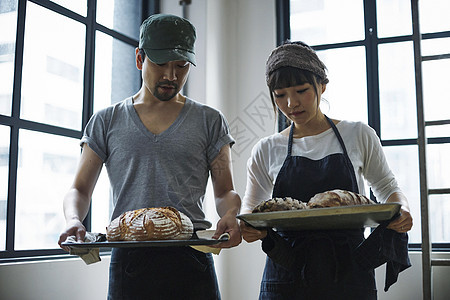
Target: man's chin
x=165 y=97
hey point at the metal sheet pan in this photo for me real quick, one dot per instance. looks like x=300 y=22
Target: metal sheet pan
x=195 y=241
x=343 y=217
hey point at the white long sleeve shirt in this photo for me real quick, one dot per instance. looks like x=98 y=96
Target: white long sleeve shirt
x=363 y=147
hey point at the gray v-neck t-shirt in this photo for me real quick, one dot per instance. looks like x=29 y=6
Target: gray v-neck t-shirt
x=152 y=170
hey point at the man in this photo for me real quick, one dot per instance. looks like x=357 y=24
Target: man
x=159 y=148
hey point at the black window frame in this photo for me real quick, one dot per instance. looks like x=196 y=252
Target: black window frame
x=16 y=123
x=370 y=43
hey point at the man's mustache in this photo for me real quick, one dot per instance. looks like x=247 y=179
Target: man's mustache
x=167 y=83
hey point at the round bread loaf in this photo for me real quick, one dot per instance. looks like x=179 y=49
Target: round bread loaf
x=338 y=198
x=279 y=204
x=156 y=223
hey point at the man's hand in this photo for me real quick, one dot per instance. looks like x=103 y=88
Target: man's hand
x=74 y=227
x=228 y=223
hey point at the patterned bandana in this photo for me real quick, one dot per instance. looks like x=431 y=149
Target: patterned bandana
x=297 y=56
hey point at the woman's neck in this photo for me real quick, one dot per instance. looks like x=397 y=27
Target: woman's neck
x=315 y=126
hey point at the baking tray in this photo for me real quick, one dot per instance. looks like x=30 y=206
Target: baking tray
x=342 y=217
x=159 y=243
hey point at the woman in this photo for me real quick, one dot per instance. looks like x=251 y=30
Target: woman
x=313 y=155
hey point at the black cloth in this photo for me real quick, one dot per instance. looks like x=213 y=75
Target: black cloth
x=384 y=246
x=279 y=250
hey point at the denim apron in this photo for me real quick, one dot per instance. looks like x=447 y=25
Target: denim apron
x=162 y=273
x=326 y=269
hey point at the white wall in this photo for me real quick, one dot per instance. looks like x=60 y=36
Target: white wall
x=234 y=39
x=240 y=36
x=409 y=284
x=54 y=279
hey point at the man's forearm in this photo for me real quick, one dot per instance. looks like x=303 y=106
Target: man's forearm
x=76 y=205
x=229 y=203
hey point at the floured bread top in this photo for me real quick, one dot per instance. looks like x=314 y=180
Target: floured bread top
x=338 y=198
x=157 y=223
x=279 y=204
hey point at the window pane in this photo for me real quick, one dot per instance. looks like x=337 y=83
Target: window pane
x=397 y=91
x=439 y=218
x=433 y=16
x=403 y=161
x=116 y=15
x=8 y=24
x=47 y=164
x=393 y=18
x=437 y=131
x=321 y=21
x=345 y=65
x=53 y=64
x=116 y=75
x=438 y=160
x=435 y=46
x=79 y=6
x=4 y=167
x=436 y=103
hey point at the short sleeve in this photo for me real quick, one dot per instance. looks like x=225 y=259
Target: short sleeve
x=219 y=133
x=95 y=135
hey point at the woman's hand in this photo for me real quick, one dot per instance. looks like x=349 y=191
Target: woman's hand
x=250 y=234
x=404 y=222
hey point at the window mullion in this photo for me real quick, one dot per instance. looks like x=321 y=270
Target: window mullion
x=283 y=12
x=89 y=66
x=14 y=134
x=371 y=44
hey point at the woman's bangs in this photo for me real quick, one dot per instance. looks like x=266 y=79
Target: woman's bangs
x=288 y=76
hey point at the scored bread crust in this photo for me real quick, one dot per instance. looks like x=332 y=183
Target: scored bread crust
x=156 y=223
x=338 y=198
x=279 y=204
x=331 y=198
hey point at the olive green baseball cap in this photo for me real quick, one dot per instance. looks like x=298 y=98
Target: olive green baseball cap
x=165 y=38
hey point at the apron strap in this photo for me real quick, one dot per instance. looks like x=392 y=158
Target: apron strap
x=336 y=132
x=347 y=158
x=338 y=135
x=291 y=136
x=348 y=162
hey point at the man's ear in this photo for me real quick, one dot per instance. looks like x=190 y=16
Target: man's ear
x=139 y=59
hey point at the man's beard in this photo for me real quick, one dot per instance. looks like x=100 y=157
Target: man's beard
x=165 y=96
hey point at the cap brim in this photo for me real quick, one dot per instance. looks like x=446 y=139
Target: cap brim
x=164 y=56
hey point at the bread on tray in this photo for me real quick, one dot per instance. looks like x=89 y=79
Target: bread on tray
x=279 y=204
x=146 y=224
x=338 y=198
x=331 y=198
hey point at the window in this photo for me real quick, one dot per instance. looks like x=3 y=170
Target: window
x=370 y=58
x=70 y=59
